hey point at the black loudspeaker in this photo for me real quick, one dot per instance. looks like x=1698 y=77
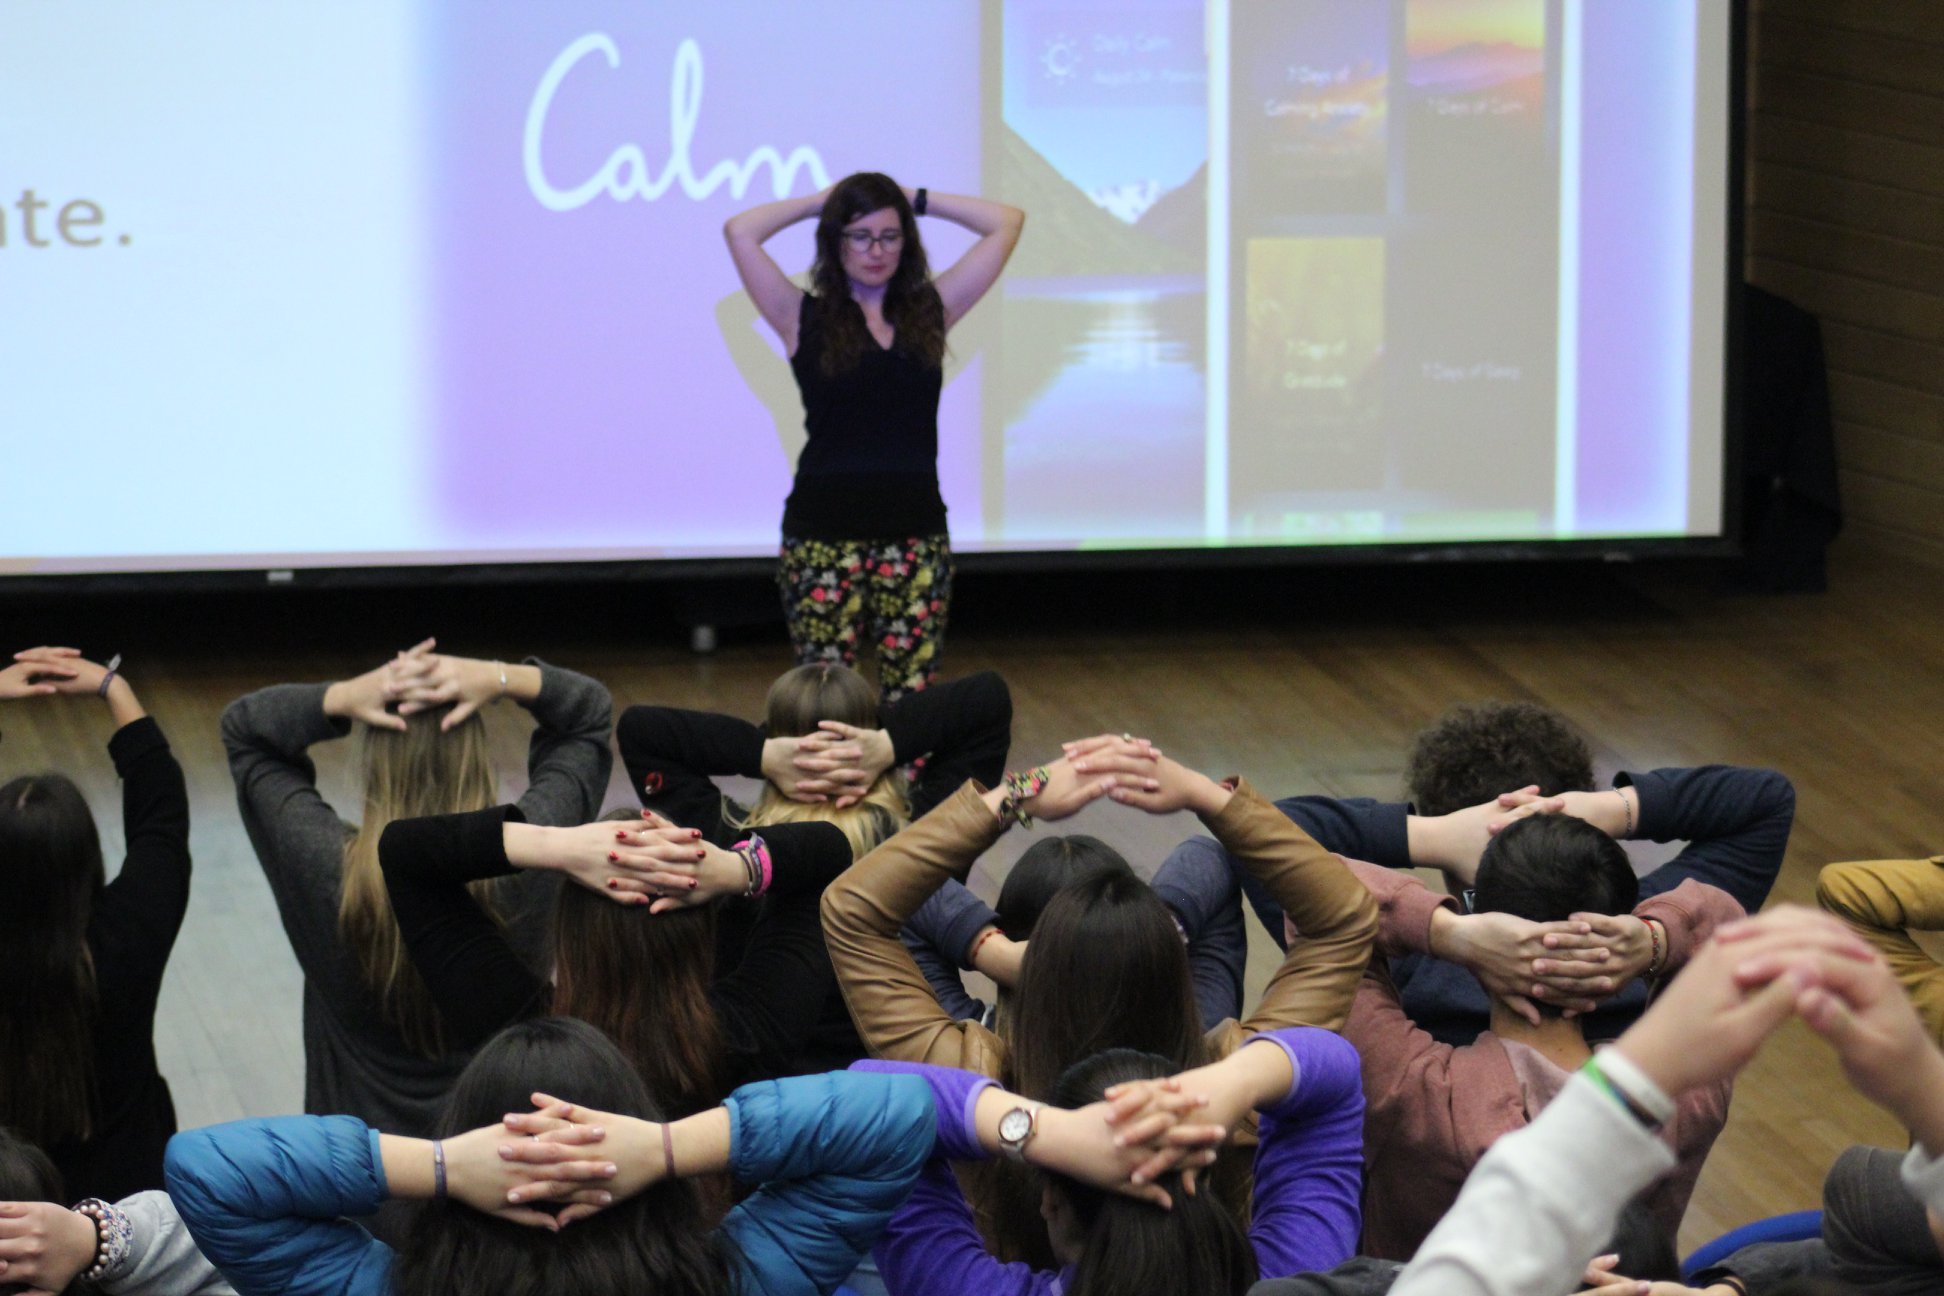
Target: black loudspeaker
x=1792 y=502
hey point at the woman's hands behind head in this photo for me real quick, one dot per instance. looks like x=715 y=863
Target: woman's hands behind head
x=838 y=763
x=43 y=672
x=1151 y=781
x=504 y=1169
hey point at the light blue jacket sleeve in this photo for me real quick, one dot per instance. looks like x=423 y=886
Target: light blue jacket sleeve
x=265 y=1201
x=835 y=1154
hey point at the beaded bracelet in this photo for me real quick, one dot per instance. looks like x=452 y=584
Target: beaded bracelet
x=113 y=1236
x=1019 y=789
x=1627 y=806
x=438 y=1170
x=1660 y=950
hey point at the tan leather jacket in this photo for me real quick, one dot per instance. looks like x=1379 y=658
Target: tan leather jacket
x=898 y=1017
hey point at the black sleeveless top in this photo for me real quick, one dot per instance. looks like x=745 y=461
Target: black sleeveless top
x=869 y=470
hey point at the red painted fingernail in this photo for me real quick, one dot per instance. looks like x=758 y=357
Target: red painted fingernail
x=695 y=832
x=694 y=882
x=701 y=855
x=613 y=885
x=613 y=858
x=621 y=834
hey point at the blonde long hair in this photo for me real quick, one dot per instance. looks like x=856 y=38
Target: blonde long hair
x=798 y=702
x=408 y=775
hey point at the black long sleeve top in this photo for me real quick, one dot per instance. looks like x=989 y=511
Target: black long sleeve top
x=766 y=1005
x=131 y=934
x=961 y=729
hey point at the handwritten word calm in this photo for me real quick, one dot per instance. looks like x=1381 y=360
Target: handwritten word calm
x=625 y=174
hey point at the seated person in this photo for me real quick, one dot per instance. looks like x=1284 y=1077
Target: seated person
x=954 y=931
x=1883 y=901
x=1736 y=822
x=1432 y=1109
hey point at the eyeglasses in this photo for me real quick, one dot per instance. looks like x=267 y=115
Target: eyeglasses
x=864 y=240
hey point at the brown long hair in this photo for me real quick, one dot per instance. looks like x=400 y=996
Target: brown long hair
x=1104 y=968
x=644 y=980
x=408 y=775
x=798 y=702
x=51 y=874
x=911 y=304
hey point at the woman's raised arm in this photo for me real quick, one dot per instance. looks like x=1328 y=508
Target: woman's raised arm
x=776 y=298
x=966 y=280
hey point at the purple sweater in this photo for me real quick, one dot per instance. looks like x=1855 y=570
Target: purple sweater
x=1308 y=1180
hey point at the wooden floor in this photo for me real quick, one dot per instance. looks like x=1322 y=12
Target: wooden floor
x=1844 y=692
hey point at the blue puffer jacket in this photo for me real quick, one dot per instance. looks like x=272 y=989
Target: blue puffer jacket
x=835 y=1154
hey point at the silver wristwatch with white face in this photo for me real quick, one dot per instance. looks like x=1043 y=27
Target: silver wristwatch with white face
x=1016 y=1129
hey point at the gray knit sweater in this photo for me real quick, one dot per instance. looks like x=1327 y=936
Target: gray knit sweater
x=355 y=1062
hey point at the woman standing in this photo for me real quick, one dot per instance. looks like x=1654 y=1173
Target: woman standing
x=865 y=550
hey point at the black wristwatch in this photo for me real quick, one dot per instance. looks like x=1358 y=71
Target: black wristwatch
x=918 y=204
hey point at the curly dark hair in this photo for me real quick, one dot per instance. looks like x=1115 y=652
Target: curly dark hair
x=1476 y=751
x=911 y=304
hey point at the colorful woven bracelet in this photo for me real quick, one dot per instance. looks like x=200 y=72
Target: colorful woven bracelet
x=1019 y=789
x=757 y=871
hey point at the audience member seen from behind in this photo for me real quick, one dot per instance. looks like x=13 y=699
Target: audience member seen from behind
x=829 y=755
x=1735 y=823
x=1158 y=1234
x=656 y=945
x=598 y=1199
x=87 y=955
x=1105 y=966
x=1435 y=1109
x=1542 y=1197
x=374 y=1044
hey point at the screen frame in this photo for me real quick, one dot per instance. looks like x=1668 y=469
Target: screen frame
x=1728 y=544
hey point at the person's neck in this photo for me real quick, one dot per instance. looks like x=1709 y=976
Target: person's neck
x=870 y=297
x=1560 y=1040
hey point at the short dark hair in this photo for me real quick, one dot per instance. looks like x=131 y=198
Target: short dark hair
x=1645 y=1247
x=1474 y=752
x=1547 y=868
x=1048 y=866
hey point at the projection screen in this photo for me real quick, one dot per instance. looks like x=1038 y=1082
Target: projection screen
x=373 y=283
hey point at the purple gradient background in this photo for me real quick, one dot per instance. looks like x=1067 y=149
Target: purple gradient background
x=1636 y=276
x=586 y=394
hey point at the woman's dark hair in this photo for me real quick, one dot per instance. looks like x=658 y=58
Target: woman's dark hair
x=911 y=304
x=1132 y=1246
x=1105 y=968
x=1473 y=753
x=27 y=1173
x=1546 y=868
x=644 y=980
x=657 y=1241
x=1814 y=1286
x=51 y=874
x=1050 y=865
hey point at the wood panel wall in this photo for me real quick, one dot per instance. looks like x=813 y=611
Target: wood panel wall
x=1846 y=218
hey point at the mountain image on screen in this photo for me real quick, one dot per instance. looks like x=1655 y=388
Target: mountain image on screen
x=1074 y=235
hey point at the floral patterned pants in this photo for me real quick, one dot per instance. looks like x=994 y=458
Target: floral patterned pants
x=893 y=594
